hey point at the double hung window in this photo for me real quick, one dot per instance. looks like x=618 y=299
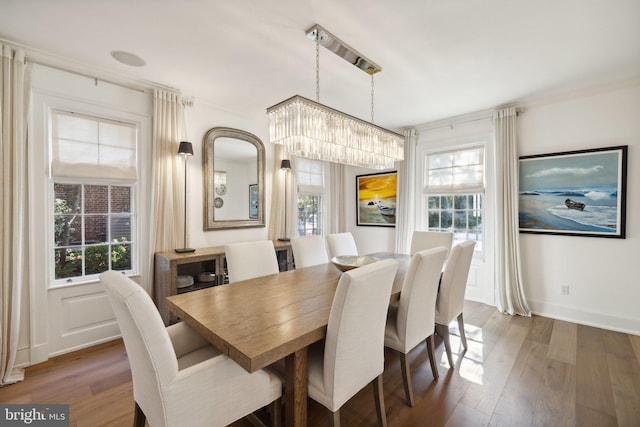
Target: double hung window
x=453 y=192
x=94 y=177
x=310 y=212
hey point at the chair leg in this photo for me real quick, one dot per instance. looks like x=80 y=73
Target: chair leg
x=406 y=378
x=139 y=418
x=378 y=395
x=432 y=356
x=444 y=329
x=276 y=413
x=463 y=337
x=334 y=418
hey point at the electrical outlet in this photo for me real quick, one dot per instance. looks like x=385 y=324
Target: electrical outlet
x=564 y=289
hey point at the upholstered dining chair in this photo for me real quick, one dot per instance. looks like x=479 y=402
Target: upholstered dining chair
x=450 y=300
x=353 y=352
x=178 y=378
x=410 y=321
x=309 y=251
x=421 y=240
x=250 y=259
x=341 y=244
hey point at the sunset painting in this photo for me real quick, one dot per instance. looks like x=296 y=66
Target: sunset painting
x=376 y=195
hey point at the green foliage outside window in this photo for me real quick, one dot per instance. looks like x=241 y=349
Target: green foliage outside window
x=71 y=245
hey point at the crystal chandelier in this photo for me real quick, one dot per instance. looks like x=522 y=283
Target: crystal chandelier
x=312 y=130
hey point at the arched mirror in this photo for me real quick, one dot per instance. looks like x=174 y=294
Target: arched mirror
x=233 y=165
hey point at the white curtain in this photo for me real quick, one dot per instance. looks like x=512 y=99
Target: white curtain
x=405 y=198
x=276 y=218
x=336 y=219
x=508 y=271
x=167 y=193
x=15 y=87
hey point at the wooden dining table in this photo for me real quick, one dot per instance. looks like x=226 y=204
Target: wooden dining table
x=260 y=321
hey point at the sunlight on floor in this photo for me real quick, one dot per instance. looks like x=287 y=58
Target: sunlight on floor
x=471 y=366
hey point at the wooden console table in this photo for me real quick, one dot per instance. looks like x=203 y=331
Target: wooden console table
x=169 y=265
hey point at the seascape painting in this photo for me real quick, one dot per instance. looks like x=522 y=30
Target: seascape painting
x=376 y=198
x=579 y=193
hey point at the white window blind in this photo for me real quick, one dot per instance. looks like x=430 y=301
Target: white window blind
x=91 y=147
x=455 y=172
x=310 y=176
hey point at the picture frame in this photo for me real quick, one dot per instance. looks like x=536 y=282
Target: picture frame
x=574 y=193
x=253 y=201
x=376 y=199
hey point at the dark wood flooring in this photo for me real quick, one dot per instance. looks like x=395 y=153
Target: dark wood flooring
x=517 y=371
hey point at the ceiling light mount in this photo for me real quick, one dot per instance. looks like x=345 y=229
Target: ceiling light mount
x=343 y=50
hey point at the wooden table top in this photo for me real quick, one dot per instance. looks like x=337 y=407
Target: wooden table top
x=262 y=320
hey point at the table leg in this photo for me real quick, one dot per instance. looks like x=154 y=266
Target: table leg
x=295 y=389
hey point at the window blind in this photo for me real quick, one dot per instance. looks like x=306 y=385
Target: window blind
x=455 y=171
x=83 y=146
x=309 y=175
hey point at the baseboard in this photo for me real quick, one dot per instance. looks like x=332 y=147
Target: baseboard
x=85 y=345
x=584 y=317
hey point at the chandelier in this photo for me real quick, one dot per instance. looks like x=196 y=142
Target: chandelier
x=313 y=130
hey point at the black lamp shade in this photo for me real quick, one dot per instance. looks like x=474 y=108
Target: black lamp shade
x=185 y=148
x=285 y=164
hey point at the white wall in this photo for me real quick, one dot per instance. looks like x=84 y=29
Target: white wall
x=199 y=119
x=601 y=272
x=39 y=303
x=369 y=239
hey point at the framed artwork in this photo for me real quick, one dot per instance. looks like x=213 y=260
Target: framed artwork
x=376 y=199
x=253 y=201
x=576 y=193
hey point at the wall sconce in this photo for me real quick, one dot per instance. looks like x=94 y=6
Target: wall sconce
x=220 y=178
x=185 y=150
x=285 y=166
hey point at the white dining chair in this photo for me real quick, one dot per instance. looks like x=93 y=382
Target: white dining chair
x=309 y=251
x=410 y=321
x=421 y=240
x=179 y=379
x=341 y=244
x=248 y=260
x=453 y=284
x=353 y=352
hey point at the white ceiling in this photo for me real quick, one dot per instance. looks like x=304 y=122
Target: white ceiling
x=440 y=58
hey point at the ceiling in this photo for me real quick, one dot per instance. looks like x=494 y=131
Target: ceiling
x=440 y=58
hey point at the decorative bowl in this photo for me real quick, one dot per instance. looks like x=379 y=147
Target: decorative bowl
x=184 y=281
x=348 y=262
x=207 y=277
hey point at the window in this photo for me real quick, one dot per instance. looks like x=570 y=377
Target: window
x=93 y=169
x=310 y=178
x=453 y=193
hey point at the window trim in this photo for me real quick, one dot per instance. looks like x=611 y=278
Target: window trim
x=313 y=190
x=138 y=245
x=481 y=141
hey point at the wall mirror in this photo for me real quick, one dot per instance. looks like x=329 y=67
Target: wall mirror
x=233 y=165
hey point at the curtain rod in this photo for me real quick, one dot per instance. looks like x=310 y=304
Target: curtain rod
x=451 y=122
x=137 y=87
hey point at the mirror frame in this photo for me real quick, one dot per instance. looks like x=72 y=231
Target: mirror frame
x=208 y=167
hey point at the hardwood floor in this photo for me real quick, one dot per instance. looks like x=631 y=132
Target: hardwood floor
x=517 y=372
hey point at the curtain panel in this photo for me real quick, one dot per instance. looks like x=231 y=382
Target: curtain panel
x=276 y=218
x=405 y=216
x=167 y=186
x=15 y=88
x=508 y=271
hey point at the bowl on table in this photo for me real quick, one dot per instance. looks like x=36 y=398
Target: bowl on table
x=349 y=262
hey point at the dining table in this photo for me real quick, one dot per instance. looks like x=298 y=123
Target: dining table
x=260 y=321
